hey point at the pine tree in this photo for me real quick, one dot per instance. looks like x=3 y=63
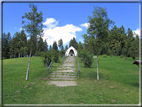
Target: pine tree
x=73 y=43
x=50 y=48
x=60 y=43
x=13 y=45
x=66 y=47
x=40 y=45
x=55 y=45
x=129 y=43
x=6 y=45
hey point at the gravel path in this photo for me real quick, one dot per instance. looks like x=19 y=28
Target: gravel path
x=66 y=75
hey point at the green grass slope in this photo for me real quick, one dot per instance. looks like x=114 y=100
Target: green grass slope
x=119 y=83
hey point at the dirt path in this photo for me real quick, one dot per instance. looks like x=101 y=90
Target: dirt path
x=66 y=75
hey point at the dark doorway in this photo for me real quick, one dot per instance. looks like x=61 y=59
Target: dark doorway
x=71 y=52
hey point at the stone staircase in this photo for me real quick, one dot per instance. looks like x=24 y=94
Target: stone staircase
x=66 y=74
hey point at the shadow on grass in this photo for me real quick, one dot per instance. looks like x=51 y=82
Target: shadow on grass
x=92 y=75
x=134 y=84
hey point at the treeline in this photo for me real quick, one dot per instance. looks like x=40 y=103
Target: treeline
x=100 y=39
x=116 y=43
x=18 y=45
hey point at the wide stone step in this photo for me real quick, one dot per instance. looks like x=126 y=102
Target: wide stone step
x=67 y=79
x=67 y=68
x=68 y=74
x=69 y=65
x=63 y=76
x=63 y=83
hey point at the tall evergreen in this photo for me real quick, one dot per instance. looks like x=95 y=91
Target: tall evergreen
x=40 y=45
x=60 y=43
x=55 y=45
x=73 y=43
x=66 y=47
x=6 y=45
x=50 y=48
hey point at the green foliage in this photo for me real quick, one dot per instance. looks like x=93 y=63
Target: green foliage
x=60 y=43
x=109 y=52
x=66 y=47
x=121 y=56
x=99 y=24
x=73 y=43
x=38 y=53
x=62 y=48
x=87 y=58
x=62 y=53
x=79 y=53
x=24 y=50
x=55 y=45
x=80 y=49
x=6 y=45
x=47 y=57
x=80 y=46
x=50 y=48
x=104 y=49
x=40 y=45
x=33 y=26
x=56 y=56
x=104 y=56
x=98 y=30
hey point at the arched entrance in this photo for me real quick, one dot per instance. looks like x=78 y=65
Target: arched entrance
x=71 y=52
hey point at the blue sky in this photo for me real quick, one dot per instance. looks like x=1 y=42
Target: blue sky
x=68 y=20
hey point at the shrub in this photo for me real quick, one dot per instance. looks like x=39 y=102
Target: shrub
x=47 y=58
x=121 y=56
x=82 y=55
x=62 y=53
x=87 y=59
x=56 y=56
x=104 y=55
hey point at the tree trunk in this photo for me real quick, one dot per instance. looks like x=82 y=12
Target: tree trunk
x=14 y=54
x=97 y=67
x=27 y=75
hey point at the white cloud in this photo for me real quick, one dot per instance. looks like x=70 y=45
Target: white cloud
x=22 y=29
x=49 y=22
x=15 y=27
x=53 y=33
x=137 y=31
x=85 y=25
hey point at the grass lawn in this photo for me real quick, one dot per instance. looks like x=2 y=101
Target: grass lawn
x=119 y=83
